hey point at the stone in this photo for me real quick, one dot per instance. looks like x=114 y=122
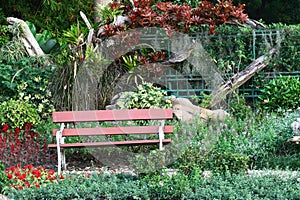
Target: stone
x=185 y=110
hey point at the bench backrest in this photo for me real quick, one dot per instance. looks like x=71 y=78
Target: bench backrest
x=112 y=115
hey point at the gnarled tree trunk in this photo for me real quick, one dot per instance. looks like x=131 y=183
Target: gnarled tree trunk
x=241 y=77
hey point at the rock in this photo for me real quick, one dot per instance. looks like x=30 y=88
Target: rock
x=185 y=110
x=296 y=126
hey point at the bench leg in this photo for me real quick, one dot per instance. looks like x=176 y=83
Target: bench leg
x=58 y=160
x=63 y=159
x=60 y=152
x=161 y=134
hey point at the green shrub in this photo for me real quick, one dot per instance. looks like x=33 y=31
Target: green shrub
x=147 y=96
x=27 y=80
x=263 y=140
x=238 y=144
x=281 y=93
x=237 y=106
x=102 y=186
x=3 y=177
x=227 y=162
x=161 y=186
x=18 y=112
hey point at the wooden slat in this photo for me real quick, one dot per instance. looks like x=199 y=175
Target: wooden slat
x=112 y=115
x=117 y=143
x=113 y=131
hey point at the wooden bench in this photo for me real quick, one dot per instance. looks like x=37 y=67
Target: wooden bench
x=67 y=118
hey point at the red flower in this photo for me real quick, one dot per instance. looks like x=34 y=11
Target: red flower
x=9 y=176
x=36 y=173
x=22 y=177
x=37 y=185
x=27 y=184
x=17 y=131
x=51 y=171
x=17 y=173
x=20 y=187
x=27 y=128
x=61 y=176
x=45 y=144
x=4 y=128
x=88 y=175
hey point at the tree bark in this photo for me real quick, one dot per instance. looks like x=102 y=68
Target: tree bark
x=241 y=77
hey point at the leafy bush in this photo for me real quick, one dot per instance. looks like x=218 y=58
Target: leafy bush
x=3 y=177
x=238 y=107
x=281 y=93
x=27 y=80
x=261 y=139
x=17 y=113
x=289 y=47
x=227 y=162
x=45 y=39
x=5 y=34
x=147 y=96
x=96 y=186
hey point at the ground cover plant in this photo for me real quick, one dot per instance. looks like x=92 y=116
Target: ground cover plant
x=180 y=186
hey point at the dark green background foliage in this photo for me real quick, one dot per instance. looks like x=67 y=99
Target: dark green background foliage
x=233 y=48
x=53 y=15
x=273 y=11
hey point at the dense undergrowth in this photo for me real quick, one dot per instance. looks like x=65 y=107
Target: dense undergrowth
x=180 y=186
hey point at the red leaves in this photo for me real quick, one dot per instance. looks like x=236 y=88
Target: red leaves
x=174 y=17
x=22 y=145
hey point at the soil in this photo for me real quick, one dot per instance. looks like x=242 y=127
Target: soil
x=79 y=161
